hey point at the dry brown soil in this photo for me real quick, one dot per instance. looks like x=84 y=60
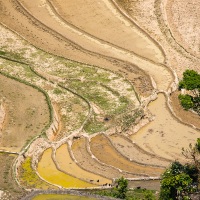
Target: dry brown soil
x=183 y=18
x=103 y=150
x=85 y=160
x=27 y=113
x=6 y=180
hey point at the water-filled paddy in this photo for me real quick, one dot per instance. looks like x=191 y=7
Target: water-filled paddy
x=165 y=136
x=66 y=163
x=61 y=197
x=49 y=172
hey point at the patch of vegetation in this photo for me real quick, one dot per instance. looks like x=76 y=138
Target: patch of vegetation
x=57 y=91
x=12 y=55
x=123 y=105
x=7 y=182
x=191 y=83
x=2 y=53
x=30 y=179
x=180 y=180
x=121 y=191
x=128 y=119
x=89 y=83
x=93 y=126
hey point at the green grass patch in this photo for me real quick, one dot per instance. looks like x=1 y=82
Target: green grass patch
x=131 y=194
x=57 y=91
x=30 y=179
x=93 y=126
x=2 y=53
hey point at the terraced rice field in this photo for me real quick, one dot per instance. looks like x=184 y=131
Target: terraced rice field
x=66 y=163
x=103 y=150
x=86 y=160
x=76 y=88
x=60 y=197
x=48 y=171
x=162 y=131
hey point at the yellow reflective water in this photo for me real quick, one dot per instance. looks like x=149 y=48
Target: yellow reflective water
x=61 y=197
x=48 y=171
x=66 y=164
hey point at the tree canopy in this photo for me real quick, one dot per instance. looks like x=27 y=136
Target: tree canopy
x=179 y=180
x=191 y=83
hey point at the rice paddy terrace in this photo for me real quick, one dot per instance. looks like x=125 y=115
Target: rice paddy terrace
x=87 y=91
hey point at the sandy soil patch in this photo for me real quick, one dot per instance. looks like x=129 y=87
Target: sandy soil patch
x=183 y=18
x=26 y=114
x=151 y=15
x=48 y=171
x=103 y=16
x=106 y=153
x=87 y=162
x=130 y=150
x=67 y=164
x=165 y=136
x=2 y=115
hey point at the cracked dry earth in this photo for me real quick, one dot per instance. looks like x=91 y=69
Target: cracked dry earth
x=88 y=92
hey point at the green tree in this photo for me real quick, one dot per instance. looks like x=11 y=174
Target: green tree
x=190 y=82
x=121 y=188
x=176 y=182
x=148 y=195
x=186 y=101
x=193 y=153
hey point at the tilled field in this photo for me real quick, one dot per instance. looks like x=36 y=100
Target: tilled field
x=85 y=76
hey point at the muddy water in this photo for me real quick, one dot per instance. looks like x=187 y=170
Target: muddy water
x=165 y=136
x=133 y=152
x=86 y=161
x=48 y=171
x=66 y=163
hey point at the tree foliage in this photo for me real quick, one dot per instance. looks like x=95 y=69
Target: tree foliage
x=190 y=82
x=178 y=181
x=121 y=188
x=193 y=153
x=186 y=101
